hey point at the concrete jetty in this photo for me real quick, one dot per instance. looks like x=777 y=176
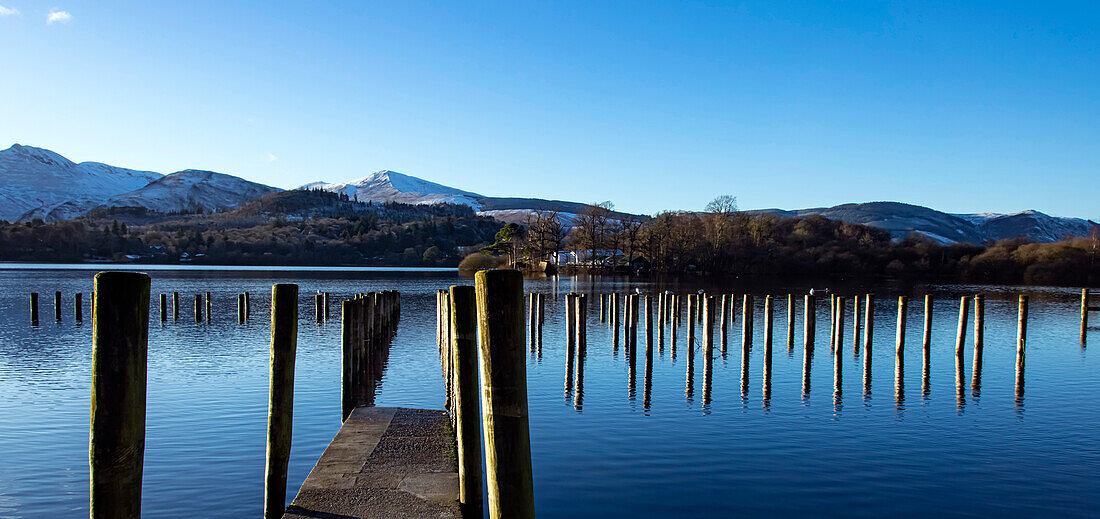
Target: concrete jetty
x=385 y=462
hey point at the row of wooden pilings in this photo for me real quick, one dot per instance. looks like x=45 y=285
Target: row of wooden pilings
x=720 y=311
x=368 y=324
x=481 y=327
x=203 y=306
x=120 y=345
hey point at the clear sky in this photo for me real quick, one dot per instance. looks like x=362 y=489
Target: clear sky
x=960 y=106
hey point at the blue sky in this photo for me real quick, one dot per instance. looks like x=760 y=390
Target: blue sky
x=984 y=106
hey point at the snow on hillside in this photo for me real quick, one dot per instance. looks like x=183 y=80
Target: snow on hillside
x=391 y=186
x=192 y=191
x=38 y=183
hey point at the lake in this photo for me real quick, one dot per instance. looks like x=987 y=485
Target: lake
x=615 y=452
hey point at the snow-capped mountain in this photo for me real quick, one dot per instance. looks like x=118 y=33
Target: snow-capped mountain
x=901 y=220
x=391 y=186
x=192 y=190
x=38 y=183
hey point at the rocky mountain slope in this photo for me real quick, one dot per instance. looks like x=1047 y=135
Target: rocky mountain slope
x=192 y=191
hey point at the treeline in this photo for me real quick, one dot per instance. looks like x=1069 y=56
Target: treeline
x=288 y=228
x=722 y=240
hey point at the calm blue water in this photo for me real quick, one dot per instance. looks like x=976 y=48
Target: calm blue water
x=614 y=454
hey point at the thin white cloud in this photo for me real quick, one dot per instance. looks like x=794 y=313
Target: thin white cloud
x=271 y=157
x=58 y=16
x=8 y=11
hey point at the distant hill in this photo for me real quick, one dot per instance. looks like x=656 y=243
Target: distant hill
x=192 y=191
x=38 y=183
x=901 y=220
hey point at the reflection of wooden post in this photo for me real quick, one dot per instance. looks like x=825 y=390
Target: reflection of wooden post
x=120 y=346
x=280 y=409
x=504 y=394
x=463 y=304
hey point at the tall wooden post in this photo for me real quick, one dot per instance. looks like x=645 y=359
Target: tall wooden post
x=463 y=304
x=198 y=308
x=176 y=306
x=746 y=322
x=1084 y=314
x=280 y=409
x=790 y=321
x=120 y=346
x=163 y=308
x=240 y=308
x=648 y=322
x=839 y=323
x=34 y=308
x=570 y=338
x=1021 y=343
x=504 y=394
x=347 y=357
x=855 y=324
x=57 y=306
x=926 y=343
x=868 y=320
x=531 y=319
x=899 y=360
x=78 y=307
x=209 y=308
x=810 y=331
x=768 y=315
x=979 y=343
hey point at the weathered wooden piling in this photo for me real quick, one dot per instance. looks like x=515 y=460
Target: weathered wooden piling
x=504 y=395
x=768 y=317
x=790 y=321
x=240 y=308
x=463 y=324
x=532 y=324
x=692 y=303
x=839 y=323
x=648 y=322
x=570 y=339
x=603 y=307
x=832 y=322
x=78 y=307
x=926 y=342
x=541 y=318
x=325 y=305
x=34 y=308
x=280 y=409
x=198 y=308
x=163 y=308
x=979 y=344
x=247 y=305
x=868 y=320
x=708 y=345
x=723 y=321
x=57 y=306
x=582 y=346
x=1084 y=314
x=855 y=324
x=810 y=318
x=209 y=308
x=746 y=322
x=1021 y=344
x=176 y=306
x=120 y=346
x=899 y=352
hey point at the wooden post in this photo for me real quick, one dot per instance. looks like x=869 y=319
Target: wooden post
x=582 y=345
x=832 y=322
x=280 y=409
x=926 y=343
x=648 y=322
x=541 y=317
x=1021 y=343
x=899 y=361
x=603 y=307
x=790 y=321
x=78 y=307
x=855 y=324
x=868 y=321
x=746 y=322
x=209 y=308
x=247 y=305
x=532 y=315
x=979 y=343
x=319 y=307
x=692 y=303
x=176 y=306
x=768 y=315
x=504 y=394
x=723 y=320
x=347 y=349
x=570 y=339
x=57 y=306
x=163 y=308
x=34 y=308
x=198 y=308
x=810 y=302
x=839 y=323
x=463 y=304
x=120 y=346
x=1084 y=314
x=240 y=308
x=324 y=304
